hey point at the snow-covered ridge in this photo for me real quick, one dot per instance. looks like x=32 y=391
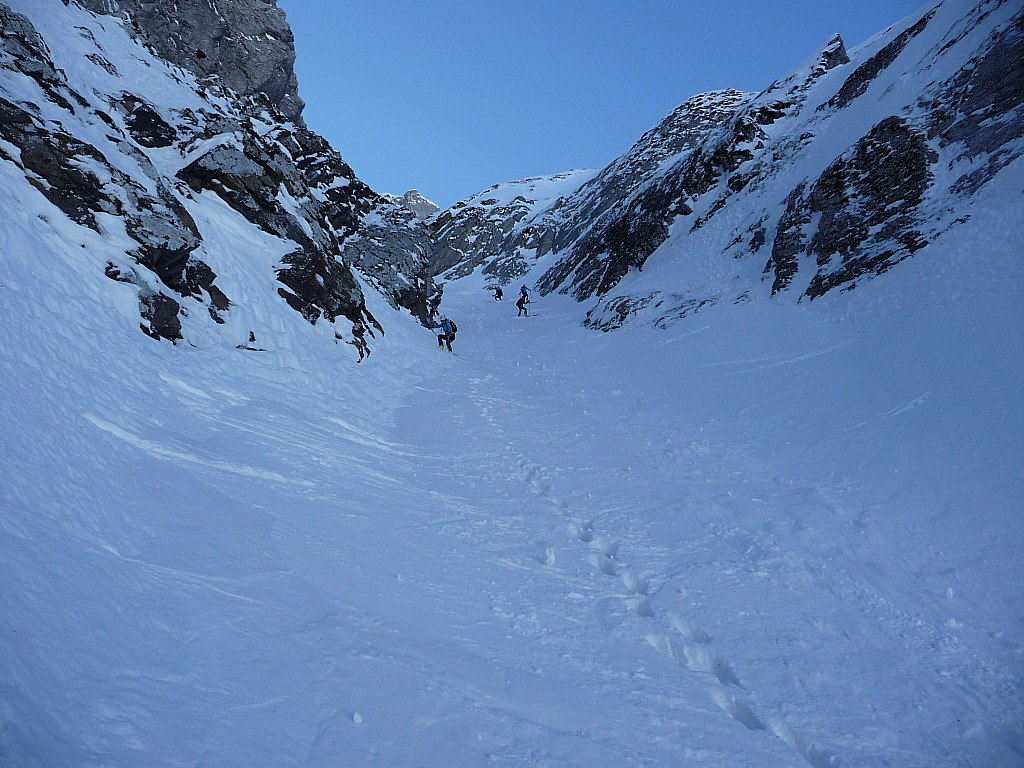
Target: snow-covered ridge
x=537 y=191
x=127 y=145
x=474 y=230
x=840 y=170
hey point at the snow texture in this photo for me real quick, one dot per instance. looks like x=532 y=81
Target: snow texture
x=770 y=534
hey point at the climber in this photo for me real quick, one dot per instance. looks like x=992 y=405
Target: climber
x=359 y=341
x=524 y=299
x=447 y=329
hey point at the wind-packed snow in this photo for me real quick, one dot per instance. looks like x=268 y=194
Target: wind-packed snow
x=771 y=534
x=768 y=536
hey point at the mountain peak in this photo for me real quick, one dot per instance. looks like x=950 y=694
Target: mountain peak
x=834 y=53
x=828 y=178
x=418 y=204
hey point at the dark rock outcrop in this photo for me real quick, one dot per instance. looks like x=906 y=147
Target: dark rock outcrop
x=239 y=146
x=254 y=174
x=981 y=108
x=246 y=44
x=145 y=124
x=863 y=205
x=23 y=50
x=391 y=250
x=78 y=179
x=839 y=171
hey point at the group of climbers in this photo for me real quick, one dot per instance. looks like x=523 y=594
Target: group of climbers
x=446 y=327
x=521 y=303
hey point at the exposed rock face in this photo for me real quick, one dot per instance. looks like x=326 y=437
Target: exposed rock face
x=24 y=51
x=981 y=108
x=391 y=250
x=145 y=124
x=833 y=175
x=488 y=230
x=246 y=43
x=101 y=152
x=864 y=204
x=416 y=203
x=857 y=83
x=252 y=173
x=335 y=220
x=616 y=221
x=79 y=180
x=624 y=215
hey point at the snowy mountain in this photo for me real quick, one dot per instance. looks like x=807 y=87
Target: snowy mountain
x=470 y=232
x=772 y=533
x=417 y=203
x=145 y=156
x=836 y=173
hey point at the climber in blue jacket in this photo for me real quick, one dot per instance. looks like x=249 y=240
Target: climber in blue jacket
x=448 y=329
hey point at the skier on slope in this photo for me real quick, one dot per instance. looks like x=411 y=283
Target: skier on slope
x=524 y=299
x=447 y=329
x=498 y=293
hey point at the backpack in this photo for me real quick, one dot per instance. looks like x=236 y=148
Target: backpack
x=455 y=328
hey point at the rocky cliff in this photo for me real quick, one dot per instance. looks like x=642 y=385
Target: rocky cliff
x=117 y=138
x=246 y=44
x=492 y=229
x=834 y=174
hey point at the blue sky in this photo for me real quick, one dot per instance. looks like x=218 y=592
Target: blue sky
x=452 y=97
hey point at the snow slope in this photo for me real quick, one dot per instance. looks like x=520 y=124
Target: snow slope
x=773 y=534
x=768 y=536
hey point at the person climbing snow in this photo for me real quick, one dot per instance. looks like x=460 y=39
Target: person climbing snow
x=498 y=293
x=447 y=329
x=359 y=341
x=524 y=299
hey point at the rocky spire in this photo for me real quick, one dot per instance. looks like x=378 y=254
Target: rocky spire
x=418 y=204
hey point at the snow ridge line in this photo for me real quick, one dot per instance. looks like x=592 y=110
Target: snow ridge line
x=685 y=643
